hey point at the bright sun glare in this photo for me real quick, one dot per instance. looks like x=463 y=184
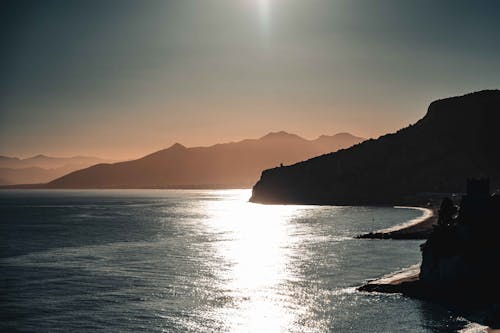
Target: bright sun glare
x=257 y=250
x=264 y=7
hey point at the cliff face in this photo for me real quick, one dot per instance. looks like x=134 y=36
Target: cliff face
x=456 y=138
x=230 y=165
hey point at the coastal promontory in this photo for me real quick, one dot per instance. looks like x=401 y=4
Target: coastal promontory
x=457 y=138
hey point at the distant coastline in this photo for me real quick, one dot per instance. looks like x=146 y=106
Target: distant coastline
x=220 y=166
x=184 y=187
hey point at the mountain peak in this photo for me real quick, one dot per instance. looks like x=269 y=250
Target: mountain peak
x=280 y=135
x=343 y=134
x=177 y=146
x=229 y=165
x=40 y=156
x=337 y=135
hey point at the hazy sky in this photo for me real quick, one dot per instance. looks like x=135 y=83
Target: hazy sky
x=123 y=78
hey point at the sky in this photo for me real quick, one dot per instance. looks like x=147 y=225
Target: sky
x=120 y=79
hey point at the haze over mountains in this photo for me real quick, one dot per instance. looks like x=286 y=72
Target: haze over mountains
x=41 y=168
x=228 y=165
x=457 y=138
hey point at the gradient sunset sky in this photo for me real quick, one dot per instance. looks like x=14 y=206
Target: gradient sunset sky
x=119 y=79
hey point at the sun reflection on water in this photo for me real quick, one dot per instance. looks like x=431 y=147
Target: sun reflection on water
x=257 y=252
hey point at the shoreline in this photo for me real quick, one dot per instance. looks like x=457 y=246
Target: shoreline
x=418 y=228
x=395 y=282
x=407 y=282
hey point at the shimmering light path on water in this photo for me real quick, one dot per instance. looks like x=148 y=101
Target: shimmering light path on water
x=200 y=261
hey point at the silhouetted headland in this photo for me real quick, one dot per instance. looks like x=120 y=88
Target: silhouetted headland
x=457 y=138
x=461 y=258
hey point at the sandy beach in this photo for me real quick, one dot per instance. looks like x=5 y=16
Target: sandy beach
x=418 y=228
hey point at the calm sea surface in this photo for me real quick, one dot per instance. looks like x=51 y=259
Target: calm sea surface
x=200 y=261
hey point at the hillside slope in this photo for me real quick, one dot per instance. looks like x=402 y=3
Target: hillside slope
x=229 y=165
x=457 y=138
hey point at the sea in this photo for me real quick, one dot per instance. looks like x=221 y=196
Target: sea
x=201 y=261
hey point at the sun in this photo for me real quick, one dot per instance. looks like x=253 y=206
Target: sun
x=264 y=8
x=264 y=5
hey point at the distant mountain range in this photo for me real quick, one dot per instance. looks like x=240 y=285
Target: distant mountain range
x=228 y=165
x=457 y=138
x=41 y=168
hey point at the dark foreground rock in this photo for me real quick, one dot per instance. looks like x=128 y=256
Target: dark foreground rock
x=460 y=259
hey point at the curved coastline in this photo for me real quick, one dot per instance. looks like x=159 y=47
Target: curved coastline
x=417 y=228
x=459 y=258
